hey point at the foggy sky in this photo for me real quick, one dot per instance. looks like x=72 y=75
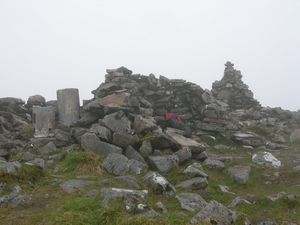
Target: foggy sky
x=48 y=45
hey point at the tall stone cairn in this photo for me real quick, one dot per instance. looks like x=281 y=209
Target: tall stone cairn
x=232 y=90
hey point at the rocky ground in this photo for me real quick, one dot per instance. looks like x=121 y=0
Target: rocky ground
x=112 y=163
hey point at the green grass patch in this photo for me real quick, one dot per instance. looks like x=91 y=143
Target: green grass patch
x=83 y=163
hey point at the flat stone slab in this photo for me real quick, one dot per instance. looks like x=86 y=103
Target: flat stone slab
x=71 y=186
x=240 y=174
x=194 y=146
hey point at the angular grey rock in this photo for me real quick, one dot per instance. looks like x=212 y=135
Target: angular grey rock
x=240 y=174
x=146 y=149
x=216 y=213
x=137 y=167
x=266 y=159
x=131 y=153
x=214 y=164
x=191 y=202
x=201 y=156
x=102 y=132
x=195 y=170
x=143 y=125
x=71 y=186
x=28 y=156
x=116 y=164
x=184 y=154
x=158 y=183
x=90 y=142
x=197 y=184
x=164 y=163
x=68 y=106
x=49 y=148
x=123 y=139
x=117 y=122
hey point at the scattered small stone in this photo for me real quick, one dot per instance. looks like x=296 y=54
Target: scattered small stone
x=226 y=189
x=238 y=201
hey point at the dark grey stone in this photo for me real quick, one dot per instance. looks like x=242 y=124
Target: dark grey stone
x=191 y=202
x=90 y=142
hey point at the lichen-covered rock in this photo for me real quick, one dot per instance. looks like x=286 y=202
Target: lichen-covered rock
x=266 y=159
x=158 y=183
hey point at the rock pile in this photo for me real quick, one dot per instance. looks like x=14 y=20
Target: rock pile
x=232 y=90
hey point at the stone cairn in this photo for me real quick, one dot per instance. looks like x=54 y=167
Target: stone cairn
x=232 y=90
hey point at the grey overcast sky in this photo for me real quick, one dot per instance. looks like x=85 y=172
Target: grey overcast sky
x=46 y=45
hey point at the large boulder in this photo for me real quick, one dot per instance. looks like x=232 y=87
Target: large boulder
x=215 y=213
x=90 y=142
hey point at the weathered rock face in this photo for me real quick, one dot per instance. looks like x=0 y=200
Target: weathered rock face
x=232 y=90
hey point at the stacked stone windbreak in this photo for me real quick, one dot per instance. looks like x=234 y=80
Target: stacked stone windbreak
x=153 y=96
x=232 y=90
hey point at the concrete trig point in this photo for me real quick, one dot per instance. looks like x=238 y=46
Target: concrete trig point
x=43 y=120
x=68 y=106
